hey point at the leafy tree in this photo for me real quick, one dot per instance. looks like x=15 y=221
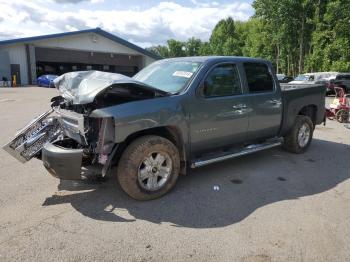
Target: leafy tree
x=160 y=50
x=296 y=35
x=205 y=49
x=331 y=39
x=176 y=48
x=223 y=40
x=288 y=25
x=193 y=46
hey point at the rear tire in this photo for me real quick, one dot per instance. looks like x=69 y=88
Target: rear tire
x=299 y=138
x=148 y=168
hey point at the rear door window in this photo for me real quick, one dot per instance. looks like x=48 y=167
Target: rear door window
x=258 y=77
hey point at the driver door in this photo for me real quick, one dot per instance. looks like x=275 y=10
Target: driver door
x=220 y=112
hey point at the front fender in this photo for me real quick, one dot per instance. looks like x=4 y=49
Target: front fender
x=137 y=116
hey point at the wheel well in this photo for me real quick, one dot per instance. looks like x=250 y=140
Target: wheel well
x=310 y=111
x=169 y=132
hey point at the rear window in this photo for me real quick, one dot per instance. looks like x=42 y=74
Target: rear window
x=258 y=77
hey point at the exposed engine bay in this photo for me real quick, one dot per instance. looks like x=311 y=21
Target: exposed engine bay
x=67 y=132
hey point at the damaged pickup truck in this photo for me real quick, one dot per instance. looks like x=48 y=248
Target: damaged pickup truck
x=174 y=115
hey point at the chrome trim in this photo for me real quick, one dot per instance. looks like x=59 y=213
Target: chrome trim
x=201 y=163
x=30 y=139
x=72 y=124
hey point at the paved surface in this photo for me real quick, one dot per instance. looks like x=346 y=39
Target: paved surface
x=271 y=206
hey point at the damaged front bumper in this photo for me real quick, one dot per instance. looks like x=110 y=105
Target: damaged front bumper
x=63 y=163
x=29 y=141
x=58 y=138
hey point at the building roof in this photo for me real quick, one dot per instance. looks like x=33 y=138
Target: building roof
x=97 y=30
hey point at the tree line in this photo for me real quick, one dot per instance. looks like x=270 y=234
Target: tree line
x=296 y=35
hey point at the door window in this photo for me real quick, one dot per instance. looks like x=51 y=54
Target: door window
x=258 y=77
x=223 y=80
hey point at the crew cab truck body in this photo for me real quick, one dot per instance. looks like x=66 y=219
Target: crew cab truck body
x=174 y=115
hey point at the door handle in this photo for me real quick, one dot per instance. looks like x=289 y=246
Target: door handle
x=274 y=102
x=239 y=107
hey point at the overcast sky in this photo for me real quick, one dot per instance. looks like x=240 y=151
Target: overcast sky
x=143 y=22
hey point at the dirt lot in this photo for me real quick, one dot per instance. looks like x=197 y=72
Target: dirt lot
x=271 y=206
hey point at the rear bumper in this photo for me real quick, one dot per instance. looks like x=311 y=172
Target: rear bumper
x=63 y=163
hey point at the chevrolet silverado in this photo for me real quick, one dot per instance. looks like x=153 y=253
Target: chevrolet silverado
x=174 y=115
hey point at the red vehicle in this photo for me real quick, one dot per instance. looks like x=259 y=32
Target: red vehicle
x=340 y=107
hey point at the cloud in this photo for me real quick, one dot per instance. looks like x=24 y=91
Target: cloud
x=68 y=1
x=77 y=1
x=153 y=25
x=7 y=34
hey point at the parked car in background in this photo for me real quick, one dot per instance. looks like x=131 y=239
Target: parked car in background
x=46 y=80
x=287 y=79
x=313 y=78
x=339 y=80
x=282 y=78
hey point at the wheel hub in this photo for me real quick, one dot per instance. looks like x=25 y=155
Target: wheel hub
x=154 y=171
x=304 y=135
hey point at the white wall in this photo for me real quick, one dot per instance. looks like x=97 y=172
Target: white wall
x=4 y=65
x=17 y=55
x=148 y=60
x=86 y=42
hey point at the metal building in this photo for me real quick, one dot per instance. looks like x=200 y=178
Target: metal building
x=92 y=49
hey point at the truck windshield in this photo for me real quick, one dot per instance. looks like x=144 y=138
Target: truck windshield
x=169 y=76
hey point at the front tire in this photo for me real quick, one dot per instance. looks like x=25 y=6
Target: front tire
x=148 y=168
x=299 y=138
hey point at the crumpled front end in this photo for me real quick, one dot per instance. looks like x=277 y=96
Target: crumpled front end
x=29 y=141
x=68 y=143
x=69 y=138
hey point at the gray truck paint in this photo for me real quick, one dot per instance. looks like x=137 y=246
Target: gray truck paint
x=203 y=124
x=66 y=166
x=210 y=123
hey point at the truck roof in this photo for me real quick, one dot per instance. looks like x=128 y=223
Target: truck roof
x=203 y=59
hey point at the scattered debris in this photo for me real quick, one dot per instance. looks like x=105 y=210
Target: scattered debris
x=236 y=181
x=281 y=178
x=310 y=160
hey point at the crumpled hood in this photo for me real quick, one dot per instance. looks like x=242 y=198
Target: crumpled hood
x=82 y=87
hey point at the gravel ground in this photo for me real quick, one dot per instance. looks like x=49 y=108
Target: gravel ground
x=270 y=206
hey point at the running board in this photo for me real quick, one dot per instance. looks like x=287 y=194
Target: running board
x=247 y=150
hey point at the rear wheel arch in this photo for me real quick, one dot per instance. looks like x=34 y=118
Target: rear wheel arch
x=302 y=131
x=310 y=111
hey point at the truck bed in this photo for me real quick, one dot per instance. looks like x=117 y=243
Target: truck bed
x=287 y=87
x=295 y=97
